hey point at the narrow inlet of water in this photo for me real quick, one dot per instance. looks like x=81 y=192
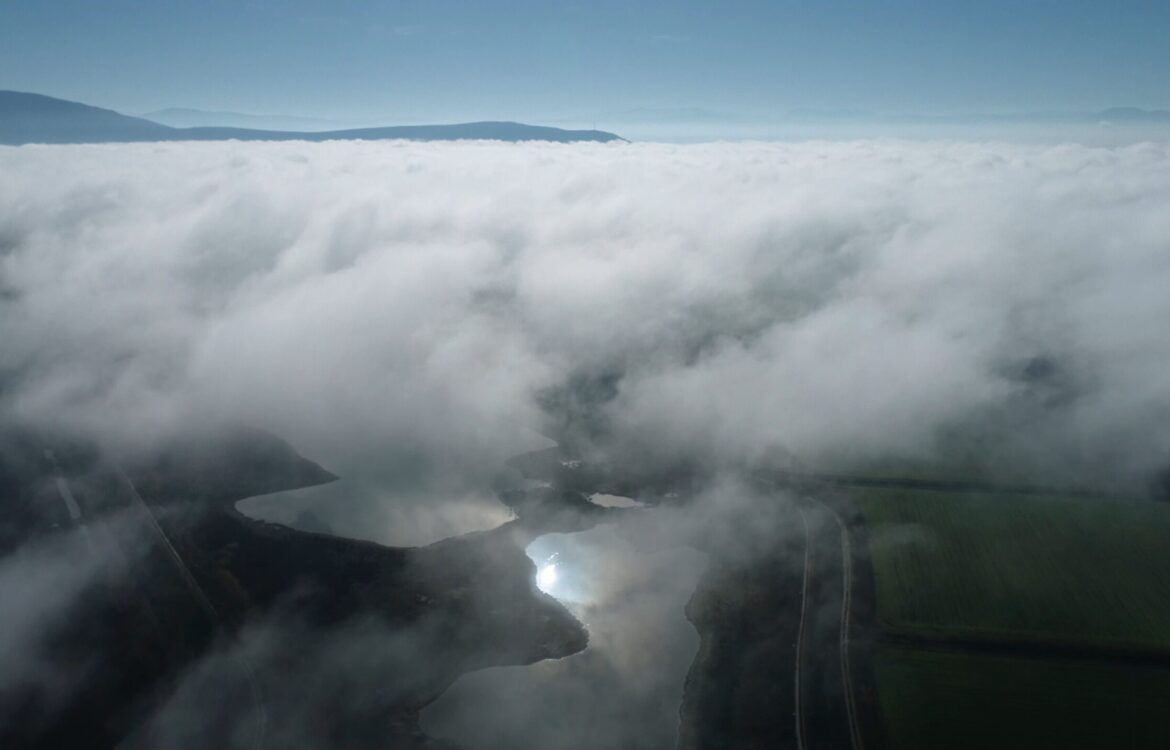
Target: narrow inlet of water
x=629 y=586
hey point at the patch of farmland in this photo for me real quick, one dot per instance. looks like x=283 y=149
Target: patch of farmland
x=1021 y=567
x=936 y=699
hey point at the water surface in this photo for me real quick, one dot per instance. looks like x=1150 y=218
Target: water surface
x=629 y=586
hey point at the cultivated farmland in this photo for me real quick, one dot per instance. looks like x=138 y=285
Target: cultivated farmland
x=1022 y=568
x=933 y=699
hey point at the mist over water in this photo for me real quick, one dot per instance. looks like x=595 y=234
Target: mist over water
x=628 y=583
x=388 y=502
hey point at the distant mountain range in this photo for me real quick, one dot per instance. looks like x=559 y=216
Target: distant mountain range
x=34 y=118
x=693 y=115
x=1119 y=115
x=186 y=117
x=1132 y=114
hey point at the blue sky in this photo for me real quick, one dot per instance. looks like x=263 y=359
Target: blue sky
x=451 y=60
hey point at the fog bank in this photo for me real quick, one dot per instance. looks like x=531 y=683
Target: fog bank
x=418 y=303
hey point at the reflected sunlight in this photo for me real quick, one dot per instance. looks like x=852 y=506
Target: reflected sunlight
x=546 y=578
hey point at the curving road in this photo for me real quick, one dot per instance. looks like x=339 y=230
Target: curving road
x=855 y=735
x=801 y=627
x=825 y=710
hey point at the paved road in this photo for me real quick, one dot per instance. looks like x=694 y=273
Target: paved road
x=802 y=627
x=825 y=714
x=846 y=625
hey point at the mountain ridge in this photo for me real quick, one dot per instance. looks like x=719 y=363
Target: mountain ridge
x=190 y=117
x=35 y=118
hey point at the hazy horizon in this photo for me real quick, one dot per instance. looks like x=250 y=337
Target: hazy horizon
x=522 y=60
x=1113 y=126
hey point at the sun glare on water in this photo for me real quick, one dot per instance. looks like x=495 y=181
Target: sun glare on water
x=546 y=578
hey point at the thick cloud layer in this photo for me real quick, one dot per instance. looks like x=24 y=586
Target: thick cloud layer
x=414 y=301
x=408 y=314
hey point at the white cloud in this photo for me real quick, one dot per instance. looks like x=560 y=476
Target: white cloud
x=811 y=297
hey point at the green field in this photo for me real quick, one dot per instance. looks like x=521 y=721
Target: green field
x=1020 y=566
x=933 y=700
